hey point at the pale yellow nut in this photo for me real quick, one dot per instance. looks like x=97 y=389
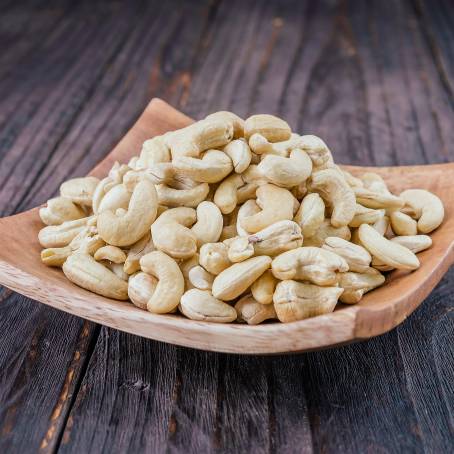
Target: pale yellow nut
x=200 y=278
x=402 y=224
x=79 y=190
x=248 y=208
x=277 y=205
x=374 y=183
x=61 y=235
x=333 y=188
x=286 y=172
x=214 y=257
x=55 y=256
x=234 y=280
x=229 y=117
x=430 y=206
x=84 y=271
x=125 y=230
x=317 y=150
x=239 y=152
x=377 y=200
x=313 y=264
x=310 y=214
x=141 y=287
x=416 y=243
x=87 y=241
x=355 y=285
x=324 y=231
x=172 y=197
x=263 y=288
x=117 y=197
x=208 y=227
x=59 y=210
x=272 y=128
x=381 y=225
x=203 y=306
x=262 y=146
x=186 y=266
x=357 y=258
x=240 y=249
x=170 y=288
x=391 y=254
x=136 y=252
x=297 y=301
x=226 y=197
x=252 y=312
x=111 y=253
x=153 y=151
x=364 y=215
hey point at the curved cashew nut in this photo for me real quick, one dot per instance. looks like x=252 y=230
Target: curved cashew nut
x=59 y=210
x=402 y=224
x=200 y=278
x=364 y=215
x=272 y=128
x=182 y=197
x=432 y=210
x=263 y=288
x=153 y=151
x=310 y=214
x=374 y=182
x=214 y=257
x=172 y=235
x=277 y=205
x=208 y=227
x=202 y=305
x=83 y=270
x=239 y=152
x=377 y=200
x=316 y=149
x=129 y=228
x=297 y=301
x=324 y=231
x=260 y=145
x=234 y=280
x=111 y=253
x=248 y=208
x=229 y=117
x=80 y=190
x=252 y=312
x=334 y=189
x=309 y=263
x=61 y=235
x=391 y=254
x=355 y=285
x=286 y=172
x=117 y=197
x=170 y=288
x=213 y=167
x=141 y=287
x=55 y=256
x=357 y=258
x=226 y=197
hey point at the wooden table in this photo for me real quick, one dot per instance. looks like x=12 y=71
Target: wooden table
x=374 y=79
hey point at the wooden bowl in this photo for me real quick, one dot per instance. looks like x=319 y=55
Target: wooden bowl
x=379 y=311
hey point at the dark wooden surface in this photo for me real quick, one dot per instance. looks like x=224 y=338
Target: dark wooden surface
x=375 y=79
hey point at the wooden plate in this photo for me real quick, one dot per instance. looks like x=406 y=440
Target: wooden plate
x=379 y=311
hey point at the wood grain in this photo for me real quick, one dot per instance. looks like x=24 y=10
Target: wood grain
x=371 y=77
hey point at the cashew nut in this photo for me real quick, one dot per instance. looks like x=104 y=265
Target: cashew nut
x=364 y=215
x=111 y=253
x=141 y=287
x=272 y=128
x=83 y=270
x=432 y=210
x=214 y=257
x=234 y=280
x=297 y=301
x=313 y=264
x=416 y=243
x=252 y=312
x=61 y=235
x=153 y=151
x=239 y=249
x=248 y=208
x=324 y=231
x=263 y=288
x=377 y=200
x=117 y=197
x=172 y=197
x=225 y=196
x=208 y=227
x=127 y=229
x=200 y=278
x=240 y=154
x=59 y=210
x=355 y=285
x=80 y=190
x=310 y=214
x=226 y=117
x=357 y=258
x=170 y=285
x=202 y=305
x=316 y=149
x=402 y=224
x=390 y=253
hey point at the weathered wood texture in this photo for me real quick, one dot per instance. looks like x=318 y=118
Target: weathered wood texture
x=373 y=78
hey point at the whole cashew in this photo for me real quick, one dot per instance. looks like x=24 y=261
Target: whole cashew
x=252 y=312
x=59 y=210
x=432 y=210
x=129 y=228
x=202 y=305
x=213 y=167
x=80 y=190
x=272 y=128
x=141 y=287
x=248 y=208
x=239 y=152
x=277 y=205
x=170 y=288
x=416 y=243
x=313 y=264
x=172 y=197
x=229 y=117
x=82 y=269
x=55 y=256
x=200 y=278
x=117 y=197
x=391 y=254
x=310 y=214
x=402 y=224
x=171 y=233
x=286 y=172
x=334 y=189
x=234 y=280
x=364 y=215
x=263 y=288
x=324 y=231
x=357 y=258
x=61 y=235
x=377 y=200
x=110 y=253
x=225 y=196
x=214 y=257
x=355 y=285
x=208 y=227
x=153 y=151
x=297 y=301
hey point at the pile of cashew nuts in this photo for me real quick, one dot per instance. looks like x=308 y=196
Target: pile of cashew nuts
x=231 y=219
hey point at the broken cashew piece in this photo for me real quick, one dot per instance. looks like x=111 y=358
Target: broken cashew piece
x=214 y=257
x=252 y=312
x=263 y=288
x=170 y=287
